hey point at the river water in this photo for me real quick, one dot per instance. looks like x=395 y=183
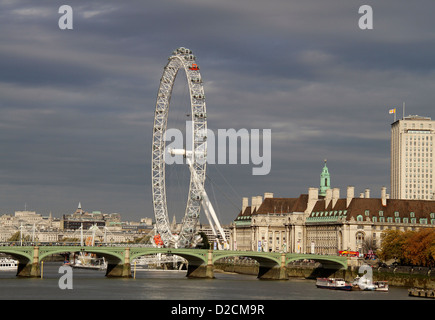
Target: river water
x=173 y=285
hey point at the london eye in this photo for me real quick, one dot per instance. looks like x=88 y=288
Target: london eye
x=182 y=58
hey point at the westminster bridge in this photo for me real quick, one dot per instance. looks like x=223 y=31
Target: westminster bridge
x=272 y=265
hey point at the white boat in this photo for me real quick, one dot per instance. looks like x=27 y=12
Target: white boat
x=87 y=260
x=7 y=264
x=158 y=262
x=84 y=261
x=381 y=286
x=365 y=284
x=333 y=283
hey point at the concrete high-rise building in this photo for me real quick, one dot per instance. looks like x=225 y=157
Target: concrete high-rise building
x=412 y=158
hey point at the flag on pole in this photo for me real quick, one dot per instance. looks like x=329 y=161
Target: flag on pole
x=392 y=111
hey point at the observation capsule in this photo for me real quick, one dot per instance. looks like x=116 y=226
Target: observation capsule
x=194 y=67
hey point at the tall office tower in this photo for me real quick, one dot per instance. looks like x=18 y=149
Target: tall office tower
x=412 y=158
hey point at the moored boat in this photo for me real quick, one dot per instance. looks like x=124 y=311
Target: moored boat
x=364 y=284
x=84 y=261
x=7 y=264
x=333 y=283
x=381 y=286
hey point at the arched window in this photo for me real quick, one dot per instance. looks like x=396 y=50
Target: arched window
x=359 y=218
x=359 y=238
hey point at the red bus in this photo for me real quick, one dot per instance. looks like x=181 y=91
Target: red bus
x=348 y=253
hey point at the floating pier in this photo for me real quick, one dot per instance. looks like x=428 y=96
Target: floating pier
x=423 y=293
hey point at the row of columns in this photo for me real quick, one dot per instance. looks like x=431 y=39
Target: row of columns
x=293 y=243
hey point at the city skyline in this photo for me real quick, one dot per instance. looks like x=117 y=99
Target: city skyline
x=78 y=105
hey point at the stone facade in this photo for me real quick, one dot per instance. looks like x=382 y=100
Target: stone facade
x=325 y=224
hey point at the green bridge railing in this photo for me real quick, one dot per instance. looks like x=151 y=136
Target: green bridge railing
x=200 y=261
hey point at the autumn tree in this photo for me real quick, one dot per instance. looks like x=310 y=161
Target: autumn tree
x=419 y=248
x=409 y=247
x=391 y=246
x=16 y=237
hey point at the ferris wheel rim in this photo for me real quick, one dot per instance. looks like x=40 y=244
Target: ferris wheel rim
x=182 y=58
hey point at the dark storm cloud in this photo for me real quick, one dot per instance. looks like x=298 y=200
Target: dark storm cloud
x=44 y=72
x=77 y=106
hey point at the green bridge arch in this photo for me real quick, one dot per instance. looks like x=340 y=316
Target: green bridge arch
x=111 y=253
x=200 y=255
x=332 y=262
x=272 y=257
x=19 y=253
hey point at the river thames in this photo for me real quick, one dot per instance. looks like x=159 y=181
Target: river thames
x=174 y=285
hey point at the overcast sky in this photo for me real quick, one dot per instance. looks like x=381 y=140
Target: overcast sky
x=77 y=106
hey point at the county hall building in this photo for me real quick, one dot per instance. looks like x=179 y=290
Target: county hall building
x=324 y=222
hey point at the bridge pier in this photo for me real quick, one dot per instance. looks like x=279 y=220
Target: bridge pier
x=115 y=270
x=27 y=269
x=272 y=273
x=269 y=270
x=201 y=271
x=120 y=270
x=198 y=269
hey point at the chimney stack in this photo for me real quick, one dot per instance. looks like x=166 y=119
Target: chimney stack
x=253 y=204
x=245 y=204
x=335 y=196
x=367 y=193
x=256 y=203
x=350 y=195
x=328 y=197
x=313 y=196
x=268 y=195
x=259 y=201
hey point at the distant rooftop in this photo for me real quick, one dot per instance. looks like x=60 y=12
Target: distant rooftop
x=416 y=117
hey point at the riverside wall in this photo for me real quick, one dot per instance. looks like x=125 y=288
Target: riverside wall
x=396 y=276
